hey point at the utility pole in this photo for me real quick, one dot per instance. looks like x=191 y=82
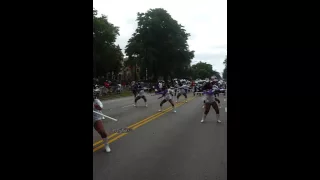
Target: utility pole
x=146 y=73
x=146 y=63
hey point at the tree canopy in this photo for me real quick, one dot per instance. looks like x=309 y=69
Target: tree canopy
x=224 y=74
x=203 y=70
x=160 y=45
x=107 y=56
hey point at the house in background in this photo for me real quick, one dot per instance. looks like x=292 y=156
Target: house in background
x=127 y=73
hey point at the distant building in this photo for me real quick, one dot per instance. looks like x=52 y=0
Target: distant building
x=127 y=72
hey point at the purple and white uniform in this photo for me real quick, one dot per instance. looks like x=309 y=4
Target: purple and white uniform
x=167 y=94
x=97 y=107
x=183 y=89
x=209 y=96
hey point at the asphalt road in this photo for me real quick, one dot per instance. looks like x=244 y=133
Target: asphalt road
x=162 y=145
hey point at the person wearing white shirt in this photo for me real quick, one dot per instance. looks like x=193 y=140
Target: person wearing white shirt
x=98 y=124
x=160 y=85
x=140 y=95
x=167 y=95
x=183 y=89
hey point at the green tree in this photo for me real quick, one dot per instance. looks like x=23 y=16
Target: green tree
x=160 y=45
x=203 y=70
x=107 y=56
x=224 y=74
x=217 y=74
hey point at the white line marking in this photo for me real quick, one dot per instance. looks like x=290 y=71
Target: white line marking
x=225 y=109
x=127 y=106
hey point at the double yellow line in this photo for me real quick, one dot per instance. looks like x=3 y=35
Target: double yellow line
x=113 y=137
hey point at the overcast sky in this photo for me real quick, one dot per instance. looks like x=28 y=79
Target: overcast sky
x=205 y=20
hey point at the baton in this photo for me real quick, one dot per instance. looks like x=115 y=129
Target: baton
x=105 y=116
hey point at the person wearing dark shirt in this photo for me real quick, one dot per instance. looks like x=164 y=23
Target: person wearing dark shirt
x=134 y=89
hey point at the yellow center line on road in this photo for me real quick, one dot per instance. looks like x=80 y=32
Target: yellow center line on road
x=141 y=124
x=138 y=124
x=114 y=134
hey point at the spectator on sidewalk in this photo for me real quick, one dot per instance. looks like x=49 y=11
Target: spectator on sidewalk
x=160 y=85
x=106 y=84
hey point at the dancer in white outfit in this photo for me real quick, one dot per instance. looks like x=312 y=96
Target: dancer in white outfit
x=98 y=124
x=183 y=89
x=167 y=94
x=210 y=100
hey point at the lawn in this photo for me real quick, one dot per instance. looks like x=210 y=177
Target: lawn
x=124 y=93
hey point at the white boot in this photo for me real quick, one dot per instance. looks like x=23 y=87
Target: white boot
x=107 y=147
x=218 y=118
x=203 y=118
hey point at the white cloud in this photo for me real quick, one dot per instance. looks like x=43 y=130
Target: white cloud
x=205 y=20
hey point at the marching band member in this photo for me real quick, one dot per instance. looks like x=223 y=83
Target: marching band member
x=183 y=89
x=167 y=94
x=210 y=100
x=98 y=124
x=141 y=94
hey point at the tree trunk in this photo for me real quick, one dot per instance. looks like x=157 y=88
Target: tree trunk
x=94 y=69
x=94 y=65
x=155 y=73
x=171 y=78
x=165 y=78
